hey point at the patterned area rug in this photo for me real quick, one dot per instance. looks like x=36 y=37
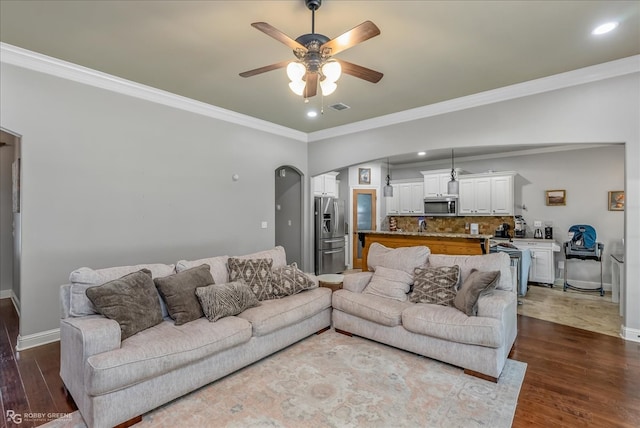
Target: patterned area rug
x=331 y=380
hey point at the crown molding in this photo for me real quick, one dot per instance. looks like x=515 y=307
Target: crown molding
x=24 y=58
x=580 y=76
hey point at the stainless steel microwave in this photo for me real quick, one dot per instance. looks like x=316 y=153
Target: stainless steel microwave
x=442 y=206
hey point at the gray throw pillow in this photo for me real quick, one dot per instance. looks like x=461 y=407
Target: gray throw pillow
x=224 y=300
x=132 y=301
x=435 y=285
x=256 y=273
x=476 y=284
x=179 y=292
x=287 y=281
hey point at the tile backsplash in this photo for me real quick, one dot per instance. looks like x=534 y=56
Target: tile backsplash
x=486 y=224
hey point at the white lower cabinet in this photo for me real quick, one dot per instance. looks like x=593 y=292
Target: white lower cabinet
x=542 y=268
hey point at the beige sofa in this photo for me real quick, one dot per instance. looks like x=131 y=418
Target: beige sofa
x=114 y=380
x=480 y=344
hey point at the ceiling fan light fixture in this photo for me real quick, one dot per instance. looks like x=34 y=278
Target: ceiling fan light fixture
x=327 y=87
x=295 y=71
x=332 y=70
x=297 y=86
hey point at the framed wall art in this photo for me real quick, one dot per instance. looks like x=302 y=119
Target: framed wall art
x=556 y=197
x=616 y=200
x=364 y=175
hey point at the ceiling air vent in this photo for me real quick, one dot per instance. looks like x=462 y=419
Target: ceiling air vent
x=339 y=107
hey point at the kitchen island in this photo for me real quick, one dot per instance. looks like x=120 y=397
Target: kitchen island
x=438 y=243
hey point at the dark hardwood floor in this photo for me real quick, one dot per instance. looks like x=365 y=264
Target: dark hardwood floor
x=574 y=377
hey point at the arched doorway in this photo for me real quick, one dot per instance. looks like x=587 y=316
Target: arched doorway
x=288 y=215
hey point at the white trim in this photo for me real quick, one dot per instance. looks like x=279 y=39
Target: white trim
x=580 y=76
x=6 y=294
x=37 y=339
x=9 y=294
x=24 y=58
x=630 y=334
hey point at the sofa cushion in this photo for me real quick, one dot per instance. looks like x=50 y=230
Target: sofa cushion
x=223 y=300
x=448 y=323
x=273 y=315
x=435 y=285
x=289 y=280
x=493 y=261
x=132 y=301
x=477 y=283
x=159 y=349
x=217 y=264
x=389 y=283
x=404 y=258
x=373 y=308
x=277 y=254
x=179 y=292
x=256 y=273
x=84 y=277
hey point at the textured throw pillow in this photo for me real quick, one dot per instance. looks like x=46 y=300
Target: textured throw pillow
x=403 y=258
x=224 y=300
x=256 y=273
x=389 y=283
x=179 y=292
x=435 y=285
x=476 y=284
x=287 y=281
x=132 y=301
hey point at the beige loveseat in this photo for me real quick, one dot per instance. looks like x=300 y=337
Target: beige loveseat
x=480 y=343
x=114 y=380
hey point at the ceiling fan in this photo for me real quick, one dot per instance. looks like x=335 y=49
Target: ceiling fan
x=314 y=53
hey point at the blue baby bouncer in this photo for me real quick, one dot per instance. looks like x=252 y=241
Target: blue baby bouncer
x=583 y=246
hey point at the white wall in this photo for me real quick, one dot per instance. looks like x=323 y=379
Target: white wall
x=604 y=111
x=6 y=221
x=114 y=180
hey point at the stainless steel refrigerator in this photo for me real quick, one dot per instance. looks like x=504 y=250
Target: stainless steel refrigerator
x=329 y=235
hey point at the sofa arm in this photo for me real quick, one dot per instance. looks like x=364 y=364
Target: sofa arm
x=81 y=338
x=356 y=282
x=496 y=304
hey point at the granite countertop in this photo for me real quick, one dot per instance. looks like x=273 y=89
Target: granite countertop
x=428 y=234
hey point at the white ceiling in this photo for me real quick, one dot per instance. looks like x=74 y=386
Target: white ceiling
x=429 y=51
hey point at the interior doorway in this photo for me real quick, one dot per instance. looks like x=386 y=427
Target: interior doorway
x=288 y=215
x=10 y=216
x=364 y=218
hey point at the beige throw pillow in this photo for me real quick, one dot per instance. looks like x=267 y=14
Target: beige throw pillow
x=287 y=281
x=404 y=258
x=389 y=283
x=476 y=284
x=435 y=285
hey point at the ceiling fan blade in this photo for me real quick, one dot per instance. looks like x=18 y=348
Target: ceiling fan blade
x=360 y=71
x=311 y=87
x=264 y=69
x=357 y=34
x=278 y=35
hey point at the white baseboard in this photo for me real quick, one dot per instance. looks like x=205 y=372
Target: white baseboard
x=6 y=294
x=37 y=339
x=630 y=334
x=9 y=294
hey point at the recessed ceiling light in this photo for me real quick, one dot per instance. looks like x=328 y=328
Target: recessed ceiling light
x=312 y=113
x=604 y=28
x=422 y=153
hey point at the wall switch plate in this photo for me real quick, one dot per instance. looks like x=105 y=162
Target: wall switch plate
x=263 y=225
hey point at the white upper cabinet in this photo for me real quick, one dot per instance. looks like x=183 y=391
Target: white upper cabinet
x=436 y=182
x=486 y=194
x=325 y=185
x=408 y=198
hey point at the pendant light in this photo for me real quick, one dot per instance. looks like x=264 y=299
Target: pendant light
x=387 y=190
x=452 y=186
